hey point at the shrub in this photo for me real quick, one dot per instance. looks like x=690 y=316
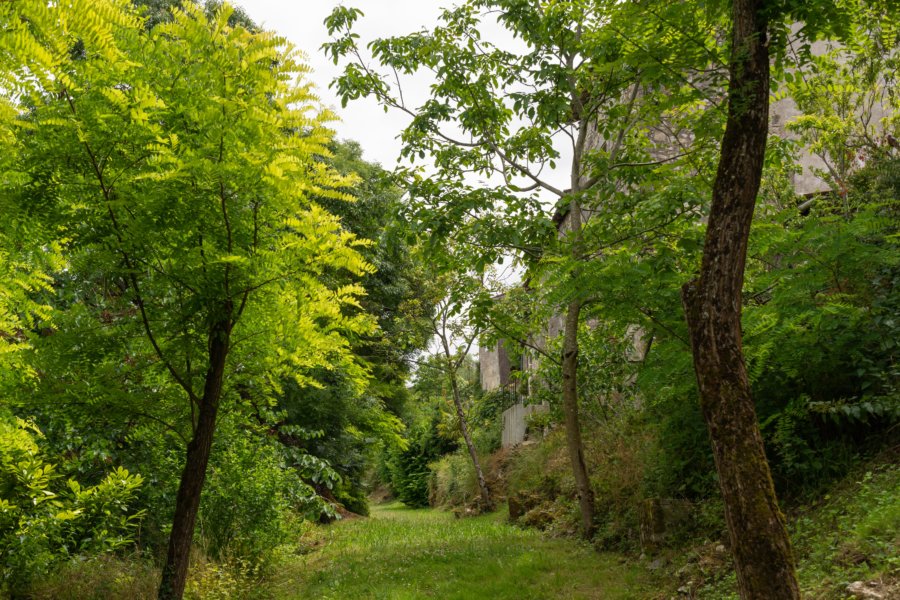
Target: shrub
x=407 y=470
x=408 y=473
x=453 y=482
x=820 y=339
x=45 y=521
x=249 y=501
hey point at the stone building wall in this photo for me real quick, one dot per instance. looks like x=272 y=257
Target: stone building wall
x=495 y=367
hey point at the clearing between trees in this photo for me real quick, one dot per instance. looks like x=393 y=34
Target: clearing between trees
x=403 y=553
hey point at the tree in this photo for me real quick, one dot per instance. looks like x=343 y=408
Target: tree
x=35 y=53
x=161 y=11
x=510 y=107
x=762 y=550
x=449 y=331
x=398 y=292
x=713 y=302
x=183 y=176
x=849 y=109
x=350 y=426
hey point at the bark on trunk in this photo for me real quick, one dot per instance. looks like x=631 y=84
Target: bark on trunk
x=759 y=540
x=569 y=365
x=463 y=425
x=573 y=424
x=187 y=502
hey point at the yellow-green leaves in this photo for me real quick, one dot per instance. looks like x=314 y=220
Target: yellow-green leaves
x=190 y=168
x=37 y=38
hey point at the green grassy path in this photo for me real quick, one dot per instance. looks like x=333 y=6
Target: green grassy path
x=403 y=554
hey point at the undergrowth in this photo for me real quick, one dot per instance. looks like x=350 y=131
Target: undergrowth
x=852 y=533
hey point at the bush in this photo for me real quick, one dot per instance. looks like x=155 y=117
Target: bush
x=249 y=501
x=683 y=465
x=44 y=521
x=820 y=339
x=453 y=481
x=407 y=470
x=408 y=474
x=541 y=469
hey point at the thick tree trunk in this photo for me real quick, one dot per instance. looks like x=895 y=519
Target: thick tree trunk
x=187 y=502
x=761 y=547
x=464 y=427
x=573 y=424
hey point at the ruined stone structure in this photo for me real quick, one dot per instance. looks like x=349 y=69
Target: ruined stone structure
x=495 y=368
x=498 y=373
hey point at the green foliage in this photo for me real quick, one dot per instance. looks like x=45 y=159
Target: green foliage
x=37 y=40
x=350 y=424
x=45 y=520
x=819 y=330
x=398 y=292
x=432 y=430
x=35 y=46
x=848 y=100
x=622 y=451
x=408 y=470
x=853 y=532
x=577 y=71
x=170 y=182
x=106 y=577
x=250 y=501
x=155 y=12
x=452 y=482
x=171 y=178
x=820 y=341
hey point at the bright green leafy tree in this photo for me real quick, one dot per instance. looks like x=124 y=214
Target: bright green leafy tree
x=182 y=178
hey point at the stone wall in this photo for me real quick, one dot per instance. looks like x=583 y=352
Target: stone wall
x=495 y=367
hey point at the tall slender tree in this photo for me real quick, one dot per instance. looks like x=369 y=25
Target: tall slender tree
x=762 y=550
x=449 y=332
x=184 y=175
x=712 y=302
x=513 y=109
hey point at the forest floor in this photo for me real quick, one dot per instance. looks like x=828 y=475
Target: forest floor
x=848 y=533
x=846 y=537
x=400 y=553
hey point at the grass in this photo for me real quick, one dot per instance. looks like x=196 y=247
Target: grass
x=99 y=578
x=851 y=533
x=405 y=554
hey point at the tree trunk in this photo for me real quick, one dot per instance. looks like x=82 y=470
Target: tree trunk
x=573 y=425
x=569 y=365
x=464 y=426
x=482 y=485
x=759 y=540
x=187 y=502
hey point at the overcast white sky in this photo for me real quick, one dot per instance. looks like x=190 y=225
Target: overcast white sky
x=301 y=22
